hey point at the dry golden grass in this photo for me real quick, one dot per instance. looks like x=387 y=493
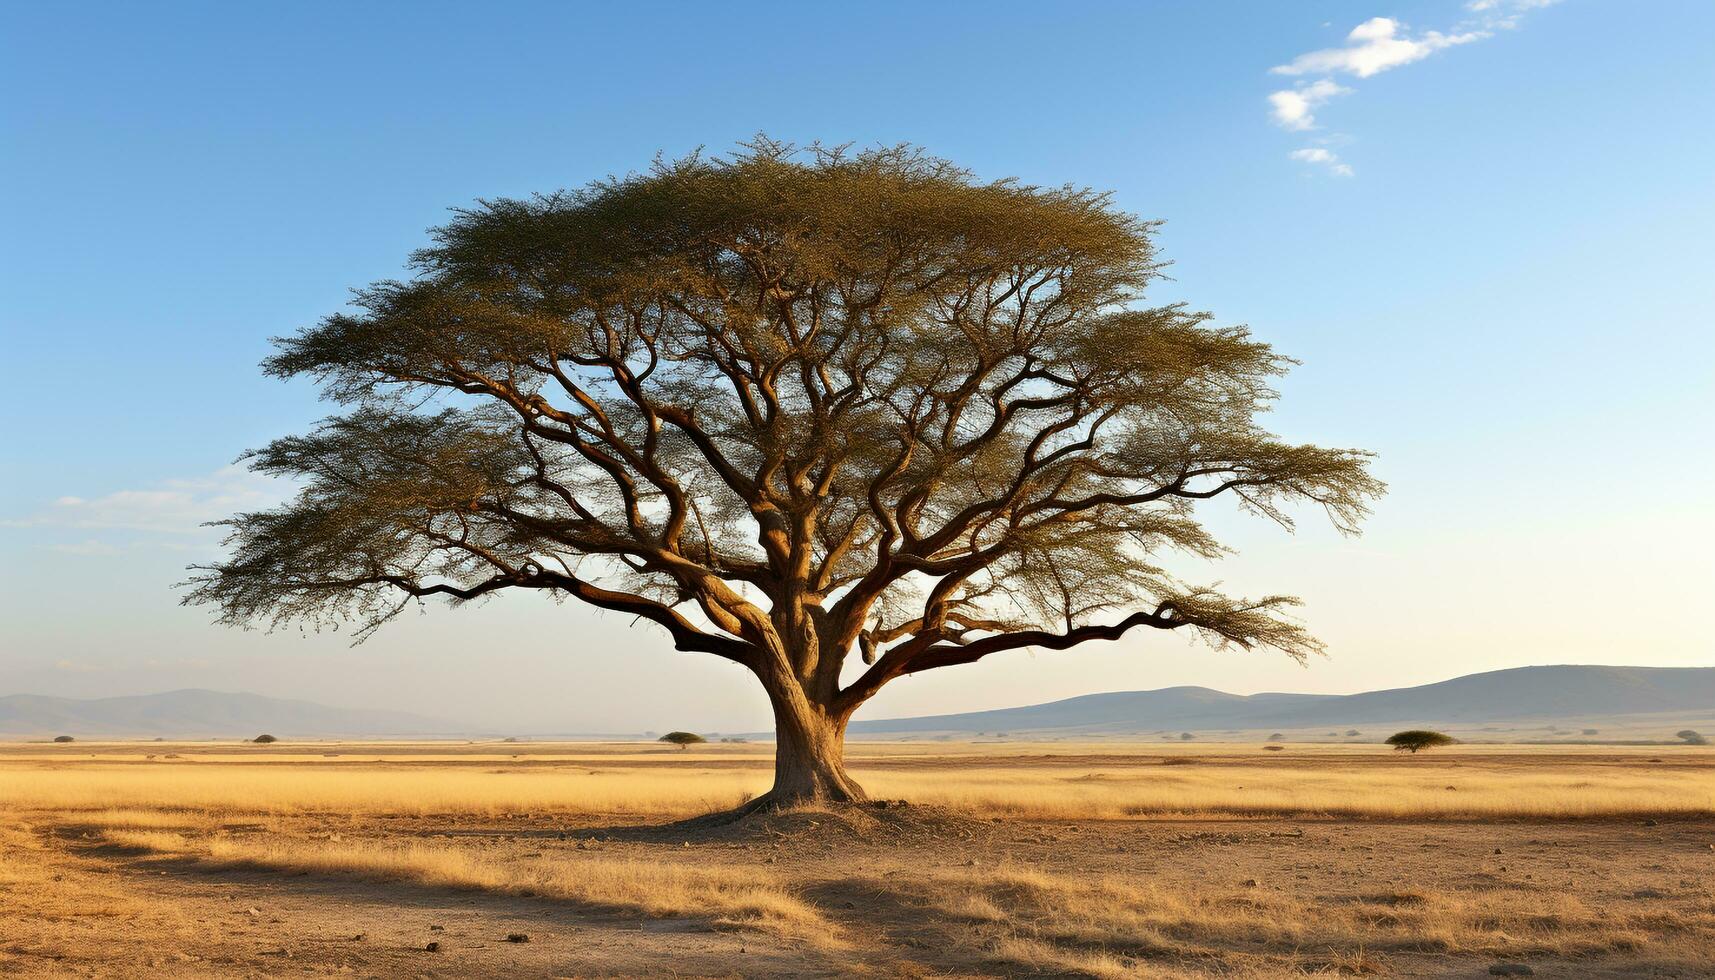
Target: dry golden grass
x=222 y=789
x=36 y=882
x=1059 y=877
x=1226 y=782
x=1142 y=921
x=1409 y=790
x=749 y=897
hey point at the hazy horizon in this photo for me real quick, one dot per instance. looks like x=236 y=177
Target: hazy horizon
x=1637 y=704
x=1486 y=241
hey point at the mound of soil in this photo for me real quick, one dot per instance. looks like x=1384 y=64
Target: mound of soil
x=875 y=821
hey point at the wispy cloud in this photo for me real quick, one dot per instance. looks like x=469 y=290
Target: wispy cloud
x=1505 y=14
x=171 y=514
x=1324 y=158
x=88 y=547
x=76 y=667
x=1374 y=46
x=66 y=666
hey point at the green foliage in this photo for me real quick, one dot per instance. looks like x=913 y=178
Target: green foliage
x=64 y=738
x=1691 y=737
x=788 y=404
x=264 y=739
x=1416 y=740
x=682 y=739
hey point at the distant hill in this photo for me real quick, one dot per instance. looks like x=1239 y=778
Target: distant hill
x=1645 y=703
x=1523 y=694
x=201 y=713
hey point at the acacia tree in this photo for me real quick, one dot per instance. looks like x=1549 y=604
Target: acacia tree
x=835 y=417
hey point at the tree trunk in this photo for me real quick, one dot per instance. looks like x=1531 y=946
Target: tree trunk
x=809 y=757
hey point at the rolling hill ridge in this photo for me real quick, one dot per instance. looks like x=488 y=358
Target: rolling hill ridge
x=1525 y=696
x=1566 y=693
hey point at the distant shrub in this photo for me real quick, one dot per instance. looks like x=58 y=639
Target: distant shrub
x=1274 y=748
x=264 y=739
x=64 y=738
x=1691 y=737
x=1277 y=737
x=1352 y=731
x=510 y=738
x=1417 y=739
x=1591 y=731
x=1186 y=736
x=735 y=739
x=682 y=739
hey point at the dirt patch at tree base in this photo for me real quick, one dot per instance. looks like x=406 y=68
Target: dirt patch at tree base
x=875 y=821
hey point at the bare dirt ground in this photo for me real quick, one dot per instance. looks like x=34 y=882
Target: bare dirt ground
x=264 y=887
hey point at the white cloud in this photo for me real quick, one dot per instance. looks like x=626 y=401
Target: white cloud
x=173 y=508
x=1293 y=107
x=1374 y=47
x=1324 y=158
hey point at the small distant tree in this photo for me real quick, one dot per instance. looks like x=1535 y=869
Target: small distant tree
x=1352 y=731
x=1277 y=737
x=64 y=738
x=1417 y=739
x=682 y=739
x=1691 y=737
x=1274 y=748
x=264 y=739
x=1186 y=736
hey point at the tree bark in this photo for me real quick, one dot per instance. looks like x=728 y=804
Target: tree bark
x=809 y=755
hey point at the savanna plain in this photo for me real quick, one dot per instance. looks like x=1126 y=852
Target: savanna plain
x=1005 y=859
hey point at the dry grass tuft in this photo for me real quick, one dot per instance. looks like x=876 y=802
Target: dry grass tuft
x=657 y=888
x=1104 y=926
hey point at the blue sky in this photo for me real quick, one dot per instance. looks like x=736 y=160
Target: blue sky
x=1492 y=254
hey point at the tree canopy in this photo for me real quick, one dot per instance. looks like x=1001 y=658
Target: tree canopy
x=794 y=408
x=1416 y=740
